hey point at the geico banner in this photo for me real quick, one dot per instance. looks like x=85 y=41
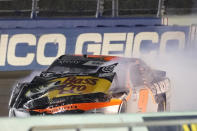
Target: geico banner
x=22 y=49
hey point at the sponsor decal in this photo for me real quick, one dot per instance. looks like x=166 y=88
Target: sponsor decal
x=109 y=68
x=77 y=85
x=160 y=87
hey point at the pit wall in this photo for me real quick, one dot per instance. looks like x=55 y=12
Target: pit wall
x=34 y=44
x=181 y=19
x=102 y=122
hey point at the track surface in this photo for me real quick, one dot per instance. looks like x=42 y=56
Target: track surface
x=7 y=81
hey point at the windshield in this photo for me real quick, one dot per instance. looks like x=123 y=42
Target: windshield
x=65 y=69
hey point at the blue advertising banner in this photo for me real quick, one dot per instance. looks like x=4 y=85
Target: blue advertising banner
x=36 y=48
x=78 y=22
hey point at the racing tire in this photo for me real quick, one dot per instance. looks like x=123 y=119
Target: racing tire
x=161 y=102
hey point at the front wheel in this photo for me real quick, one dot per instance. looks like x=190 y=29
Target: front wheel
x=161 y=100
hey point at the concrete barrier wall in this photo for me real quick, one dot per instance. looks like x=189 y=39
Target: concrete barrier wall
x=182 y=20
x=100 y=122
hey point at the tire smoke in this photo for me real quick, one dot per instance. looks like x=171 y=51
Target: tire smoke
x=181 y=68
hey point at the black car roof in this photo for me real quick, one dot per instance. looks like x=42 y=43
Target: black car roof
x=97 y=57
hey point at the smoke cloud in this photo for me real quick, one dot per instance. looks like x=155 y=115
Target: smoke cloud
x=181 y=68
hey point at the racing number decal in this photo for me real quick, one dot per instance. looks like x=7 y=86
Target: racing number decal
x=143 y=100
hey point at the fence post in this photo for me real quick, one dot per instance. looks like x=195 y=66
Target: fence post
x=115 y=8
x=100 y=8
x=35 y=8
x=193 y=36
x=162 y=8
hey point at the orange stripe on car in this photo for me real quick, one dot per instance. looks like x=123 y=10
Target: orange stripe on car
x=143 y=100
x=106 y=58
x=79 y=106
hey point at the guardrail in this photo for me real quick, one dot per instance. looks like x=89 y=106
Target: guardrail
x=172 y=121
x=164 y=124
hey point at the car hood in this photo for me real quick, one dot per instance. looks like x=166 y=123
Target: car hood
x=70 y=85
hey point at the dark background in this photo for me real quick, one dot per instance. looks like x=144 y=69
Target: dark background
x=7 y=81
x=87 y=8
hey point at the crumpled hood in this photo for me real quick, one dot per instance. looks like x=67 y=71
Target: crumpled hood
x=68 y=86
x=78 y=85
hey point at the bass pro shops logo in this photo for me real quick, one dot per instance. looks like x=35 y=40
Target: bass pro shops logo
x=76 y=85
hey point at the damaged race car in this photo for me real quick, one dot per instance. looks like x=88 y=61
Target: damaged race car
x=92 y=84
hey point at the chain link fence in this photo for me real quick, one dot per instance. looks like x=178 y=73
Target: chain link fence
x=75 y=8
x=88 y=8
